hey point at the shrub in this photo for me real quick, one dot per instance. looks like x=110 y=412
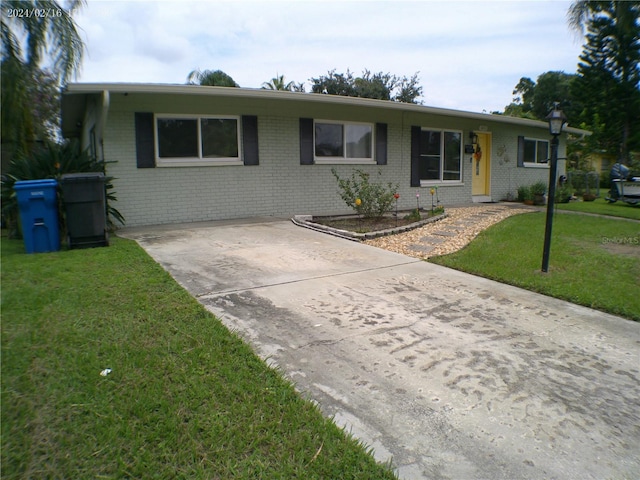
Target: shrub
x=583 y=181
x=414 y=216
x=524 y=193
x=563 y=194
x=538 y=188
x=371 y=200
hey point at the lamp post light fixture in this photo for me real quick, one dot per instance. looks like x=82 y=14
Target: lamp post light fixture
x=557 y=120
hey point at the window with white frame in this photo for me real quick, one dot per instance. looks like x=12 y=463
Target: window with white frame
x=197 y=140
x=536 y=151
x=343 y=142
x=440 y=155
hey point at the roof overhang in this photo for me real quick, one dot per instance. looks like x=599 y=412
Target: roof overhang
x=72 y=115
x=74 y=98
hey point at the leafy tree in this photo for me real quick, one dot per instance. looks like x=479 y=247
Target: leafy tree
x=382 y=86
x=212 y=78
x=607 y=87
x=334 y=84
x=536 y=99
x=30 y=98
x=278 y=83
x=521 y=105
x=552 y=87
x=408 y=90
x=516 y=110
x=377 y=85
x=524 y=93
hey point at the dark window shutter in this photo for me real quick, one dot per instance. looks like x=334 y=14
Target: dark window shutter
x=381 y=143
x=415 y=156
x=306 y=141
x=521 y=151
x=250 y=139
x=145 y=155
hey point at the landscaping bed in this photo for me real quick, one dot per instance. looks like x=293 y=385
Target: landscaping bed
x=357 y=227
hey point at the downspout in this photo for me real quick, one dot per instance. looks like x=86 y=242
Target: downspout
x=103 y=119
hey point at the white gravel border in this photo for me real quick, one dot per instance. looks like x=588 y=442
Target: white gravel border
x=401 y=242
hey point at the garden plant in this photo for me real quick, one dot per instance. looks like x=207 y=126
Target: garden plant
x=371 y=200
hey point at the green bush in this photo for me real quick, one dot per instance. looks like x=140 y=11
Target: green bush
x=371 y=200
x=539 y=188
x=583 y=181
x=563 y=194
x=524 y=193
x=414 y=216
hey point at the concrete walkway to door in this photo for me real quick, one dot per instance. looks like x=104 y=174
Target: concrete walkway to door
x=449 y=375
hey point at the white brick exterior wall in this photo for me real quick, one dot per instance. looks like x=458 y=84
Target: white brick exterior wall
x=506 y=176
x=279 y=185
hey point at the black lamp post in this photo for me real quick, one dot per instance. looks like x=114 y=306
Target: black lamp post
x=556 y=120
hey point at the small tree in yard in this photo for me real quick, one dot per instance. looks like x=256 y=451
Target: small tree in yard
x=371 y=200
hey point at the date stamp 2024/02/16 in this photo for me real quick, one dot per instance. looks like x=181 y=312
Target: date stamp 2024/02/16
x=36 y=12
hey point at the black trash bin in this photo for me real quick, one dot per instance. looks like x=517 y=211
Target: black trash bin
x=85 y=205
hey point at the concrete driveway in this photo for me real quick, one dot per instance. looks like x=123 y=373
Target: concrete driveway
x=449 y=375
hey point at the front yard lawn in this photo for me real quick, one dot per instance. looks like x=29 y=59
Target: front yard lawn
x=602 y=207
x=594 y=261
x=184 y=398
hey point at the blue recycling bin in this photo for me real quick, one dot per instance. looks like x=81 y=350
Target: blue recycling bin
x=38 y=206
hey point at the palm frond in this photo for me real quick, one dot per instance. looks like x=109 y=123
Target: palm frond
x=577 y=16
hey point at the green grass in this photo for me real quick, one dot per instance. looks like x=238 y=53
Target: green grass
x=594 y=261
x=601 y=207
x=186 y=398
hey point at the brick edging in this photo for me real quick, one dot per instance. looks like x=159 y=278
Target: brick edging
x=306 y=221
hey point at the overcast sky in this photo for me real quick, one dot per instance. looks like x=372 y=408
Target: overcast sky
x=469 y=54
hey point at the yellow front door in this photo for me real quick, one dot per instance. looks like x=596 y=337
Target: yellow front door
x=480 y=165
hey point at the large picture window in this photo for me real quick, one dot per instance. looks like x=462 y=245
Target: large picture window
x=177 y=138
x=219 y=137
x=197 y=140
x=440 y=155
x=343 y=142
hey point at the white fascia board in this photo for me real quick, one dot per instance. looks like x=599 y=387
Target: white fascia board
x=179 y=89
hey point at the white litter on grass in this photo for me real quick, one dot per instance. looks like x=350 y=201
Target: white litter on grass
x=105 y=372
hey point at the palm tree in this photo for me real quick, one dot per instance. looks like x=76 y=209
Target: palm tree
x=212 y=78
x=277 y=83
x=577 y=15
x=54 y=35
x=26 y=42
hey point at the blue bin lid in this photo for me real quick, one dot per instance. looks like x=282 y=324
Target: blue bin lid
x=29 y=184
